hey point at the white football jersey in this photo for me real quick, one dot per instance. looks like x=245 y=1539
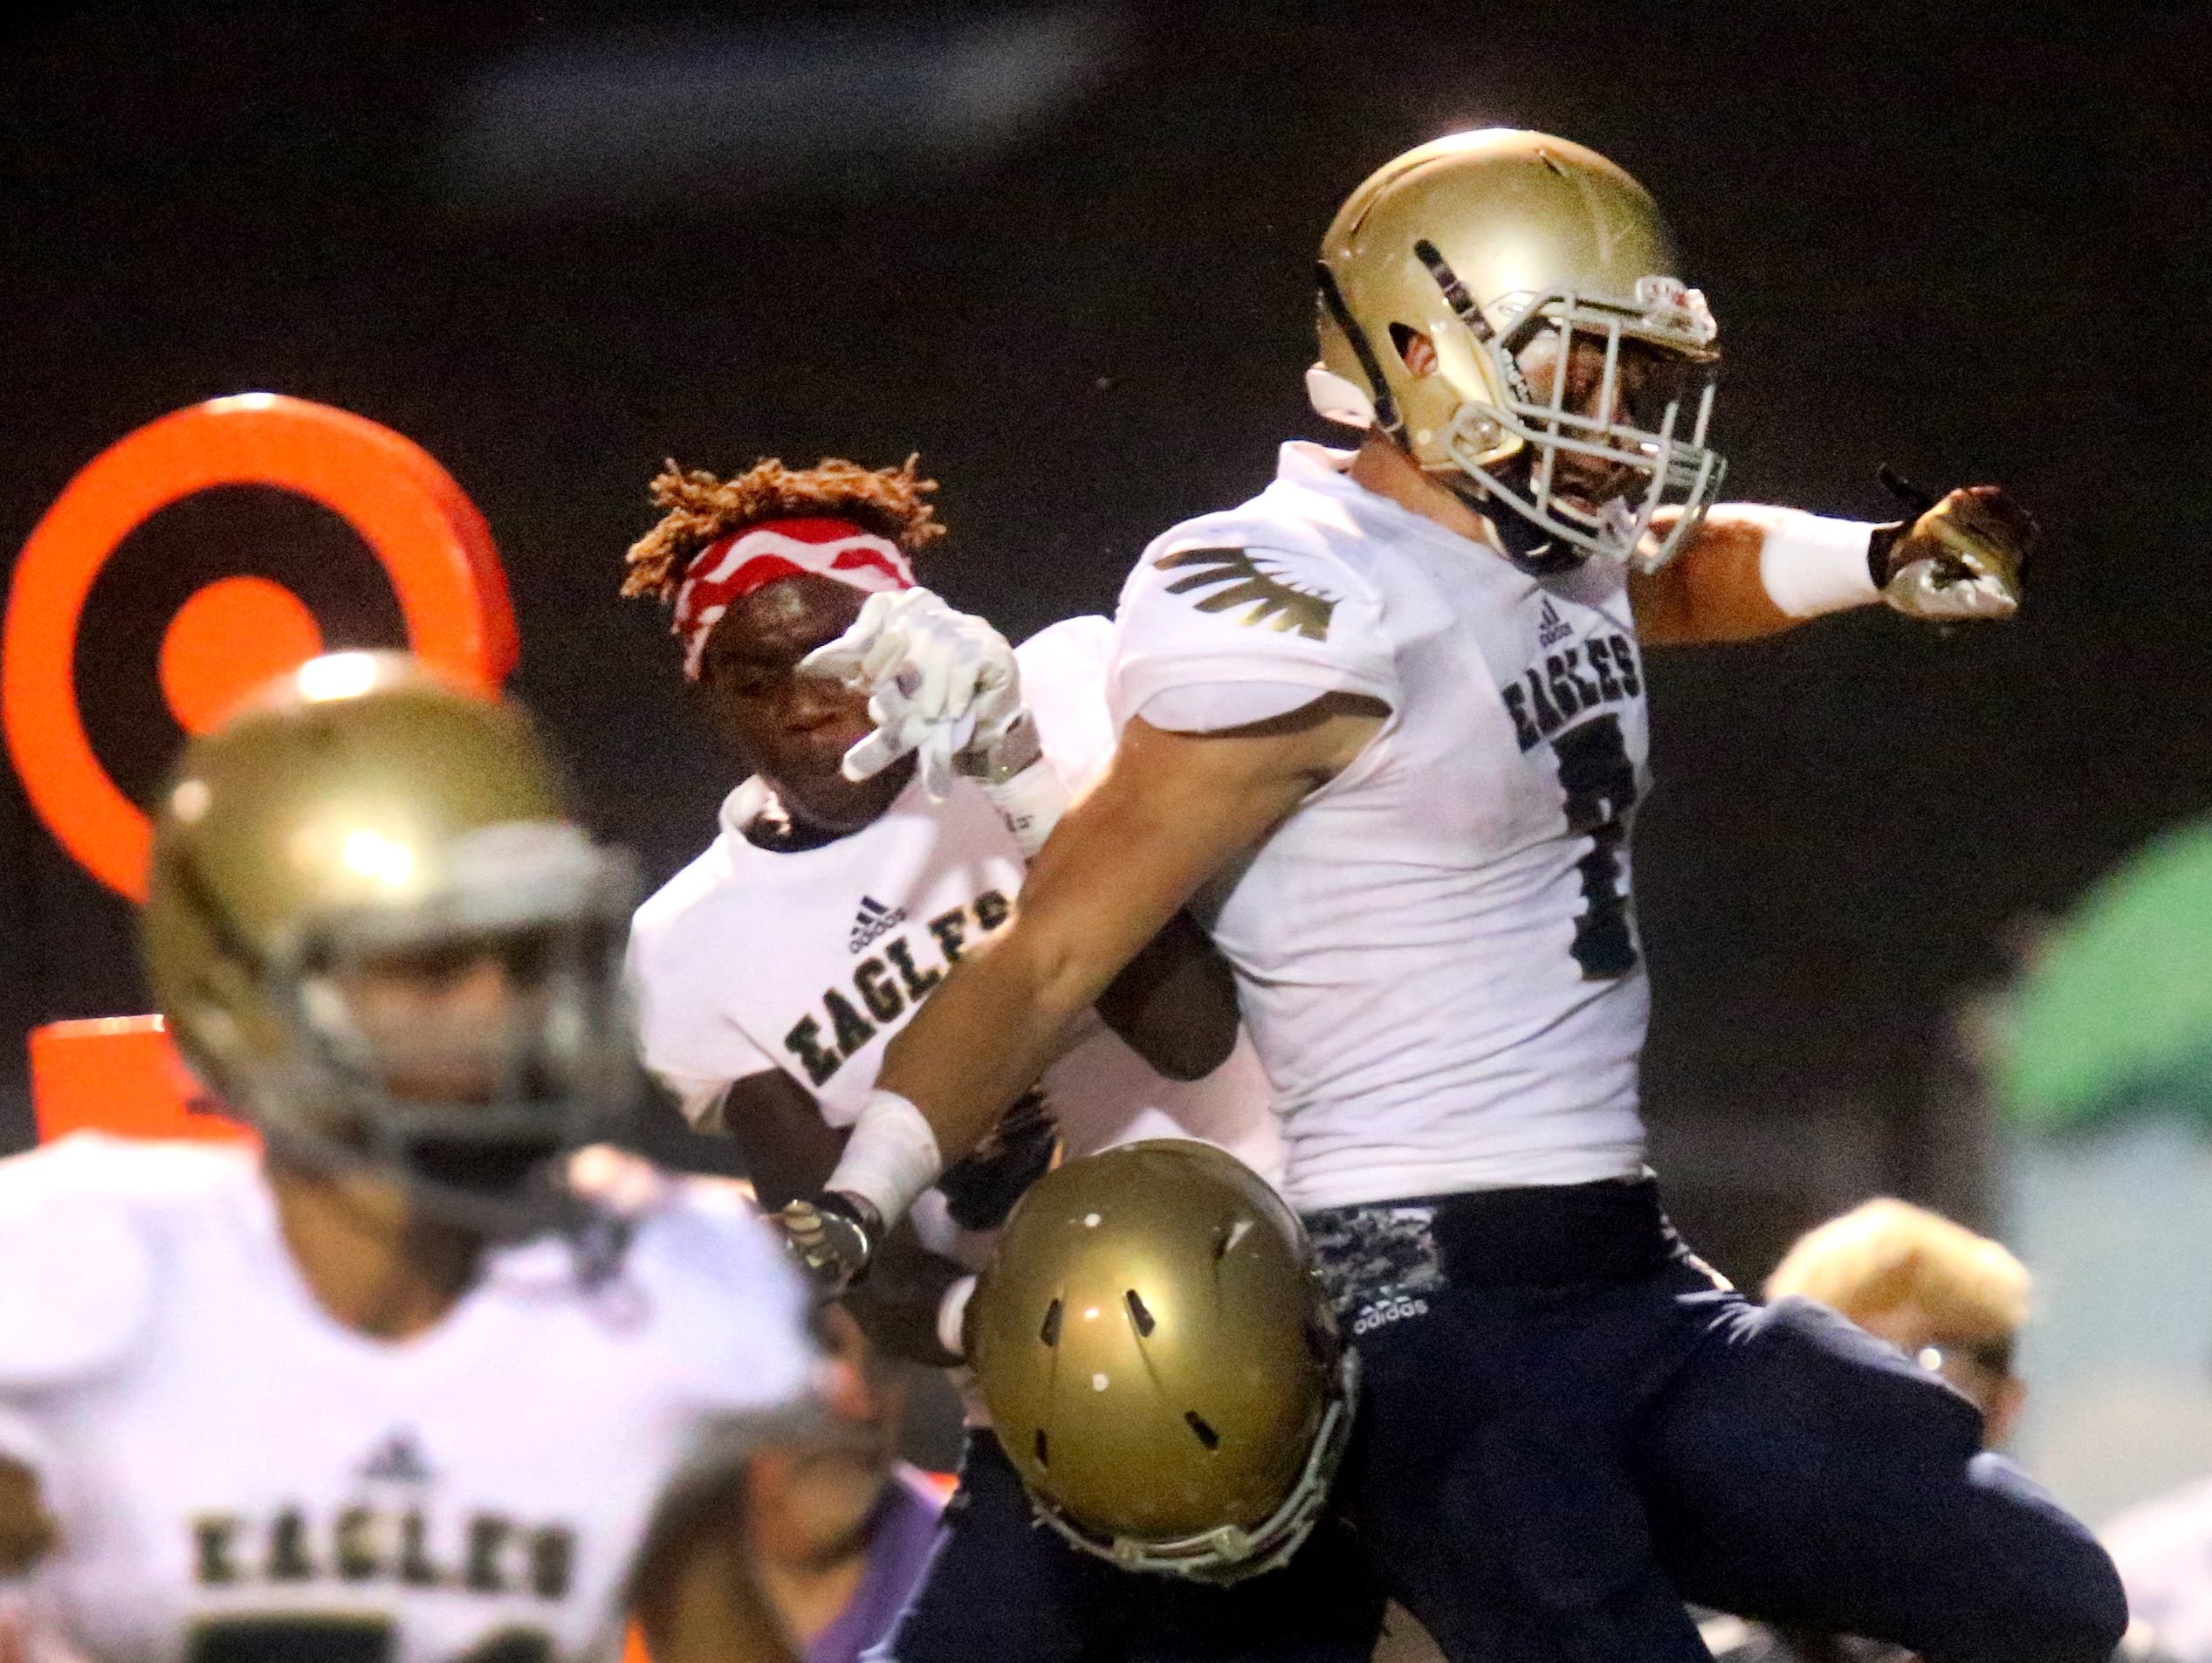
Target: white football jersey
x=809 y=960
x=239 y=1478
x=1436 y=953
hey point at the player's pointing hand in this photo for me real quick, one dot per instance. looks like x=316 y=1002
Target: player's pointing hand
x=941 y=684
x=1961 y=559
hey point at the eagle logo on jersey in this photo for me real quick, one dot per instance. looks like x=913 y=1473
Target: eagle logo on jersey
x=1270 y=600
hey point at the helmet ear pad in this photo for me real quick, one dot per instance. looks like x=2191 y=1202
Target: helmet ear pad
x=1462 y=388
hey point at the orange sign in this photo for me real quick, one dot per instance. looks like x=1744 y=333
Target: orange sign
x=236 y=632
x=120 y=1074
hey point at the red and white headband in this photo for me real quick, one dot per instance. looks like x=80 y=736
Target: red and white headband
x=731 y=567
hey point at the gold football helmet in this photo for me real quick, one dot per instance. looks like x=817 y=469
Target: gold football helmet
x=1161 y=1363
x=1484 y=242
x=360 y=814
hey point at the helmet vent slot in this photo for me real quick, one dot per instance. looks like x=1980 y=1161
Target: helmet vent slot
x=1196 y=1422
x=1050 y=1334
x=1043 y=1460
x=1139 y=1315
x=1456 y=293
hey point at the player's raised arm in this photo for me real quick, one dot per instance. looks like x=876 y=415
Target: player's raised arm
x=1173 y=809
x=1750 y=570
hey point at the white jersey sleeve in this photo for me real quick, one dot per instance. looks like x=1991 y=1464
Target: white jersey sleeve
x=77 y=1276
x=702 y=1257
x=1211 y=603
x=1063 y=682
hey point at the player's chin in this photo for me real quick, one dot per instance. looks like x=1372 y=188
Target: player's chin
x=822 y=796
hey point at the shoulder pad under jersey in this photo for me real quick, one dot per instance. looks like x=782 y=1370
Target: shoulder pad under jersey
x=1201 y=609
x=77 y=1266
x=1063 y=682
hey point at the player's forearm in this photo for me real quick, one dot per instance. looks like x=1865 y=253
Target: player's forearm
x=996 y=1022
x=900 y=1304
x=788 y=1148
x=984 y=1036
x=1171 y=811
x=1752 y=571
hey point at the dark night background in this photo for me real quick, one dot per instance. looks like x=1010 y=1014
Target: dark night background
x=1063 y=251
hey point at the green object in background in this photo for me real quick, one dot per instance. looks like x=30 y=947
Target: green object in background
x=2115 y=1016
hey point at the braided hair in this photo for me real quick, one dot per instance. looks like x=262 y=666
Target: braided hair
x=698 y=509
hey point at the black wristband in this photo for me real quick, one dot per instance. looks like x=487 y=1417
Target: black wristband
x=858 y=1208
x=1880 y=541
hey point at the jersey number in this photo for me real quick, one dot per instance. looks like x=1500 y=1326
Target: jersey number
x=1600 y=784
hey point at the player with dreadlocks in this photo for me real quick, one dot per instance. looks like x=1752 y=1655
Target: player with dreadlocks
x=771 y=972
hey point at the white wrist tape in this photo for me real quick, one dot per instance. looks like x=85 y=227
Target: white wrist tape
x=952 y=1314
x=1031 y=803
x=1809 y=564
x=891 y=1159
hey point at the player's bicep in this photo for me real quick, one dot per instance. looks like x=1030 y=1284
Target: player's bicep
x=1714 y=590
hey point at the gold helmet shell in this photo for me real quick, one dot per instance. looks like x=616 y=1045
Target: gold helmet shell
x=1160 y=1363
x=1479 y=241
x=361 y=806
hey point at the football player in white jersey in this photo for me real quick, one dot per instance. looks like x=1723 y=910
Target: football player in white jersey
x=426 y=1378
x=771 y=972
x=1384 y=725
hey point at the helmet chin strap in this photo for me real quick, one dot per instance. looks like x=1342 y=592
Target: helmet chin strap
x=1529 y=545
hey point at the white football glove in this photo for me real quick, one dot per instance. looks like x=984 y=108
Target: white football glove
x=942 y=684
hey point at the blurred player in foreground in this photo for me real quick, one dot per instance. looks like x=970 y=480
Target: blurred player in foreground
x=2163 y=1548
x=426 y=1379
x=771 y=972
x=1385 y=724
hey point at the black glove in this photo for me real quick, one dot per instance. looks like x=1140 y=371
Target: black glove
x=981 y=1188
x=1959 y=558
x=832 y=1237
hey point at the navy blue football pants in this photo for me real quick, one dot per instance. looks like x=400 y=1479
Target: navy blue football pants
x=1006 y=1589
x=1568 y=1426
x=1545 y=1470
